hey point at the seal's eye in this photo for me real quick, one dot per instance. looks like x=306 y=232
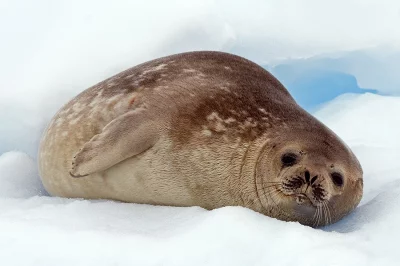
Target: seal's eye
x=289 y=159
x=337 y=179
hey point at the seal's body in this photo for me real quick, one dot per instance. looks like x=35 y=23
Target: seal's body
x=205 y=129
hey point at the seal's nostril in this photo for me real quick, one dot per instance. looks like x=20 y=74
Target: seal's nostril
x=307 y=176
x=314 y=179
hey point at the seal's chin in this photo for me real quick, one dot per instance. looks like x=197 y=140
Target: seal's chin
x=301 y=209
x=304 y=206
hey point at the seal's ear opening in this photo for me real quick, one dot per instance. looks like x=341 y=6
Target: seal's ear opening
x=289 y=159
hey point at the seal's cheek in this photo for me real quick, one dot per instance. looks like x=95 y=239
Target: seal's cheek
x=360 y=185
x=306 y=215
x=343 y=204
x=350 y=197
x=357 y=192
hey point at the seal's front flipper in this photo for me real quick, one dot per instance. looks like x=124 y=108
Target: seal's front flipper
x=122 y=138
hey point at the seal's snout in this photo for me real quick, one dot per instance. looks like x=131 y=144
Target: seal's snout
x=312 y=187
x=307 y=184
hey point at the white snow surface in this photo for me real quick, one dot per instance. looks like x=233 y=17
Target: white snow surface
x=36 y=229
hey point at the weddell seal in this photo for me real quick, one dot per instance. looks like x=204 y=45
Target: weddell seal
x=206 y=129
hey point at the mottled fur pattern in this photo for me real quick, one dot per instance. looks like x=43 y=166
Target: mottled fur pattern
x=197 y=129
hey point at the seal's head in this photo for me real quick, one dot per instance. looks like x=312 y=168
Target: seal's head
x=308 y=174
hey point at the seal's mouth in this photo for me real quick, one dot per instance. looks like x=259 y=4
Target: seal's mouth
x=302 y=198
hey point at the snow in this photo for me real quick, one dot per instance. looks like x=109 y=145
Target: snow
x=19 y=176
x=54 y=49
x=40 y=230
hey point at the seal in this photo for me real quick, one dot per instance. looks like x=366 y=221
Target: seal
x=206 y=129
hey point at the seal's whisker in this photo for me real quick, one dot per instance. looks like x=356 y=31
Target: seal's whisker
x=317 y=215
x=277 y=186
x=329 y=212
x=263 y=191
x=322 y=180
x=269 y=183
x=320 y=215
x=325 y=213
x=273 y=193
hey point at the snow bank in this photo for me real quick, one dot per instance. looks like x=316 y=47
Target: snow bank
x=18 y=176
x=366 y=119
x=50 y=231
